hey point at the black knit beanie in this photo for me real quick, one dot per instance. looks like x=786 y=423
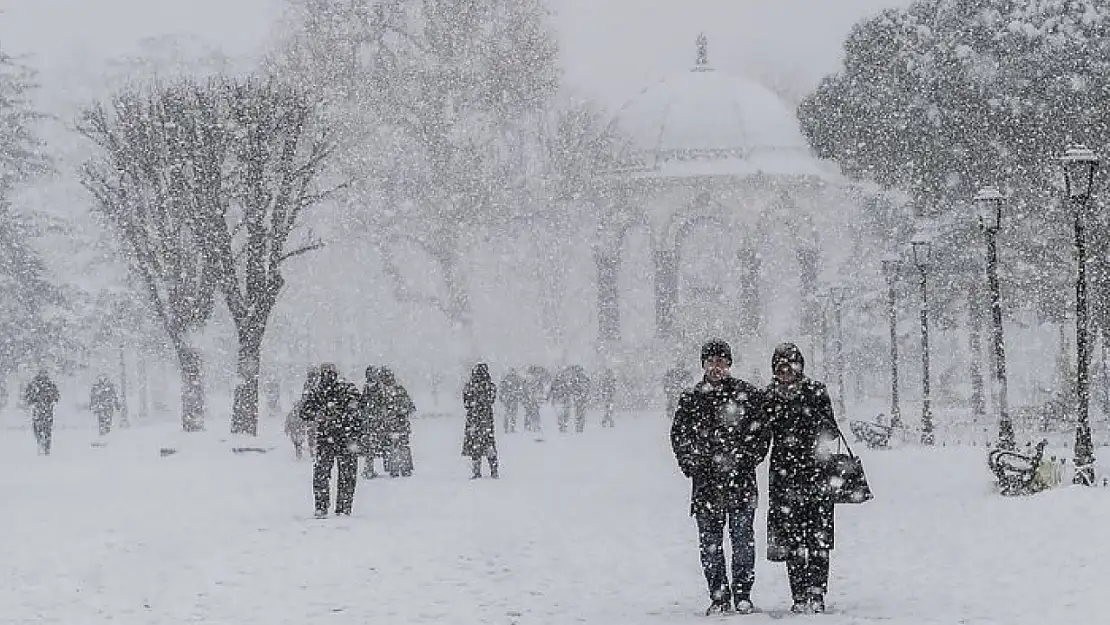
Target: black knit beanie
x=787 y=353
x=716 y=348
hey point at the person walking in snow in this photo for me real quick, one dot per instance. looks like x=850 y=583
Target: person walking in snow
x=296 y=428
x=41 y=395
x=799 y=516
x=607 y=390
x=396 y=409
x=511 y=394
x=373 y=444
x=677 y=379
x=479 y=442
x=533 y=392
x=717 y=442
x=333 y=405
x=104 y=402
x=311 y=381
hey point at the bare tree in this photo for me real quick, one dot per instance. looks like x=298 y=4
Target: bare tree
x=219 y=174
x=271 y=173
x=456 y=91
x=136 y=183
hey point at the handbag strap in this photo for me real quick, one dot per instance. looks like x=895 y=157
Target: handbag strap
x=842 y=439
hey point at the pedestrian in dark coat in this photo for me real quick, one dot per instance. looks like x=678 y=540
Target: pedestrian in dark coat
x=334 y=407
x=799 y=517
x=373 y=445
x=479 y=395
x=396 y=410
x=718 y=441
x=41 y=395
x=311 y=381
x=104 y=402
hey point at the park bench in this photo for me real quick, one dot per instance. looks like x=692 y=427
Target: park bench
x=1017 y=472
x=874 y=435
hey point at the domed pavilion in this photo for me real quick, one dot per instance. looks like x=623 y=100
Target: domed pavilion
x=705 y=148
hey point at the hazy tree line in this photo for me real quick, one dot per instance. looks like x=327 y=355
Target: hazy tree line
x=945 y=96
x=433 y=125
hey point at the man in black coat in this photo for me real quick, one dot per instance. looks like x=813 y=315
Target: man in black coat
x=799 y=515
x=41 y=395
x=333 y=405
x=717 y=439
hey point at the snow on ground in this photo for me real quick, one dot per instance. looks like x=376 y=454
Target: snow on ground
x=586 y=528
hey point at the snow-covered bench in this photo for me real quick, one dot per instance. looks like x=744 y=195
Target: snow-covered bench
x=1017 y=473
x=874 y=435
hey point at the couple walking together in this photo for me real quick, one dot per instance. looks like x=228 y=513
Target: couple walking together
x=723 y=428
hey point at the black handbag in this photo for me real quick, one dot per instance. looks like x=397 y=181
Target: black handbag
x=844 y=479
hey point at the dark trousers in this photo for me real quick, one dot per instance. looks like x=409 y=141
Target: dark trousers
x=328 y=454
x=476 y=465
x=104 y=421
x=44 y=432
x=711 y=535
x=531 y=417
x=808 y=570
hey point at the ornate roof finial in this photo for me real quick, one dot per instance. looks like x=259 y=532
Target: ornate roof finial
x=702 y=62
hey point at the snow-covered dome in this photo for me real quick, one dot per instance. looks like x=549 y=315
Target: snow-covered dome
x=707 y=122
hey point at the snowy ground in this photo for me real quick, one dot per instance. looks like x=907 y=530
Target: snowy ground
x=580 y=529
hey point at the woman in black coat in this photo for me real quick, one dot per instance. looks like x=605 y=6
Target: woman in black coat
x=479 y=396
x=799 y=514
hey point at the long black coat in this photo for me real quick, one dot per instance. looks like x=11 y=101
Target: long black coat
x=717 y=437
x=335 y=410
x=801 y=423
x=479 y=396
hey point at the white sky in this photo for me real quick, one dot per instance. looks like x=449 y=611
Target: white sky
x=610 y=48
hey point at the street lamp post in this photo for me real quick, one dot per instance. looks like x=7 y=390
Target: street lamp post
x=836 y=295
x=1080 y=165
x=989 y=204
x=890 y=271
x=922 y=250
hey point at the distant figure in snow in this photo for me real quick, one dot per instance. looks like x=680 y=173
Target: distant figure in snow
x=41 y=395
x=677 y=379
x=311 y=381
x=396 y=409
x=272 y=391
x=571 y=389
x=333 y=405
x=607 y=390
x=479 y=395
x=372 y=412
x=104 y=402
x=533 y=393
x=511 y=393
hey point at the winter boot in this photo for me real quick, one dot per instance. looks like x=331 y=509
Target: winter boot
x=719 y=606
x=743 y=605
x=815 y=601
x=321 y=514
x=476 y=468
x=493 y=467
x=801 y=605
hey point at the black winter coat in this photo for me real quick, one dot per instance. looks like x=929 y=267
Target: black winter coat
x=479 y=396
x=335 y=410
x=718 y=440
x=41 y=395
x=802 y=424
